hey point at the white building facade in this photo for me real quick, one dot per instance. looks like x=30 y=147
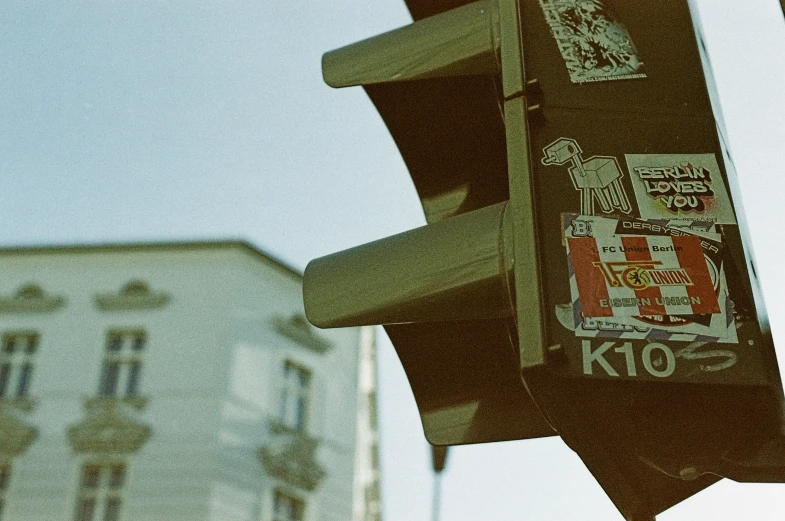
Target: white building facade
x=168 y=382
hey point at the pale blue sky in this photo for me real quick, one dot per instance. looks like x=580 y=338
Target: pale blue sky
x=149 y=120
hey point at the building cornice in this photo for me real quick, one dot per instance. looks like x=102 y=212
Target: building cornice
x=153 y=246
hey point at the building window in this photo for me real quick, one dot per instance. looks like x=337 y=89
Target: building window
x=296 y=396
x=16 y=364
x=100 y=489
x=5 y=478
x=287 y=507
x=122 y=363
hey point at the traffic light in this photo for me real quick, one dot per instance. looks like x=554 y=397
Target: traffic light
x=584 y=271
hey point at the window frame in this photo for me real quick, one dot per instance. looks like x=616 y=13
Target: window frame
x=121 y=367
x=292 y=499
x=102 y=492
x=18 y=365
x=6 y=471
x=296 y=396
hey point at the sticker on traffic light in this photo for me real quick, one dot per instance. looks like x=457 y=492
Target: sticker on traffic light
x=631 y=275
x=680 y=185
x=636 y=279
x=597 y=178
x=594 y=45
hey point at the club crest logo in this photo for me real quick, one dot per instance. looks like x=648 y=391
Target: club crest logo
x=639 y=275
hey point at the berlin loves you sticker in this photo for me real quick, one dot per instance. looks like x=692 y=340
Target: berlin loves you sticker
x=642 y=275
x=669 y=186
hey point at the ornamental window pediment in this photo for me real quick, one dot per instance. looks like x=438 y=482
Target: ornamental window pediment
x=134 y=295
x=297 y=328
x=30 y=298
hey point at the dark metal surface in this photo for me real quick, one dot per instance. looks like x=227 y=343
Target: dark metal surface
x=451 y=135
x=650 y=442
x=450 y=132
x=477 y=394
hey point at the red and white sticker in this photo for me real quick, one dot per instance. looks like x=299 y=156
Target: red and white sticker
x=633 y=275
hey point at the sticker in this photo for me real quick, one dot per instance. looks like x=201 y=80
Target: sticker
x=680 y=186
x=706 y=327
x=720 y=329
x=696 y=227
x=642 y=275
x=593 y=225
x=702 y=229
x=595 y=47
x=597 y=178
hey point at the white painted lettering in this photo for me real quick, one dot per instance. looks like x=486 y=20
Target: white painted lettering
x=629 y=356
x=590 y=357
x=656 y=366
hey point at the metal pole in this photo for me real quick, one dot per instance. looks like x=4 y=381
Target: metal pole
x=438 y=461
x=641 y=517
x=437 y=496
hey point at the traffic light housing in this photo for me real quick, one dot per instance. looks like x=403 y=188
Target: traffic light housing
x=584 y=270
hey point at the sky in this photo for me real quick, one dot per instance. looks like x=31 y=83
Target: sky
x=175 y=120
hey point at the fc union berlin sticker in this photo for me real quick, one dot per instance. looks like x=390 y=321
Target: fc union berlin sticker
x=642 y=275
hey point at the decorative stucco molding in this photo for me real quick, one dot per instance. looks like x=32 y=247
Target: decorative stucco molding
x=290 y=457
x=16 y=434
x=109 y=427
x=134 y=295
x=136 y=402
x=20 y=403
x=30 y=299
x=298 y=329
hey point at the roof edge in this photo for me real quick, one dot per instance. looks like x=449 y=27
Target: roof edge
x=118 y=247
